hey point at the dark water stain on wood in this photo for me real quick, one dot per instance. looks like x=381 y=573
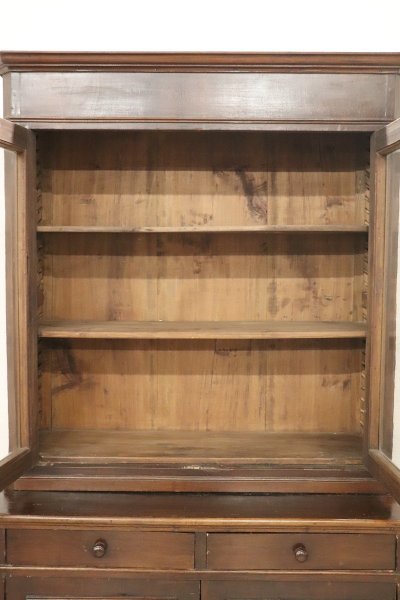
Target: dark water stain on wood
x=272 y=299
x=256 y=206
x=65 y=363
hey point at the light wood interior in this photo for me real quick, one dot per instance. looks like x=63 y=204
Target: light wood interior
x=95 y=447
x=229 y=385
x=175 y=179
x=202 y=330
x=208 y=293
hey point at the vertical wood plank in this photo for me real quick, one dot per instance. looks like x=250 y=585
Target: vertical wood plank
x=2 y=546
x=200 y=550
x=376 y=295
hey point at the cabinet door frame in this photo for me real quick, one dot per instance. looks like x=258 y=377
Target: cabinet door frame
x=383 y=143
x=21 y=303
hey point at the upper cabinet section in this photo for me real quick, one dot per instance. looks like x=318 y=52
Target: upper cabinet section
x=206 y=91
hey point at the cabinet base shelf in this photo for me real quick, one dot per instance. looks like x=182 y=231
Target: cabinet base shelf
x=200 y=448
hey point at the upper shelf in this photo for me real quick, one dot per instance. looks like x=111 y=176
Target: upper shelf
x=202 y=329
x=206 y=229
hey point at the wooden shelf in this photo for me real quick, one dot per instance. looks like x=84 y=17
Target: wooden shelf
x=177 y=447
x=202 y=330
x=206 y=229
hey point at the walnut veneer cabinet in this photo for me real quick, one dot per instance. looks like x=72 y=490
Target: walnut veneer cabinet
x=202 y=256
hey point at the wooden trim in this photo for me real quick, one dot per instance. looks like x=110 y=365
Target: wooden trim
x=296 y=576
x=375 y=295
x=384 y=142
x=196 y=61
x=113 y=478
x=180 y=330
x=13 y=465
x=200 y=550
x=25 y=255
x=263 y=229
x=2 y=546
x=12 y=136
x=387 y=139
x=384 y=469
x=21 y=297
x=118 y=124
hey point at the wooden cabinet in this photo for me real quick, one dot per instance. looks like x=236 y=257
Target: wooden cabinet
x=200 y=308
x=202 y=260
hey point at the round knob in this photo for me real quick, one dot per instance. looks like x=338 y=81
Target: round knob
x=99 y=548
x=300 y=553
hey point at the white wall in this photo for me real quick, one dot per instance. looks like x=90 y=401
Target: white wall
x=181 y=25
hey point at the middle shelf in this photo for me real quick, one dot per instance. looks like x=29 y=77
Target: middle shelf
x=201 y=329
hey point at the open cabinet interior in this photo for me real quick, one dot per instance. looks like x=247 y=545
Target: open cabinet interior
x=202 y=297
x=202 y=290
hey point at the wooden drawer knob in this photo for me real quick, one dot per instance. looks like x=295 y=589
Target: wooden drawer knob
x=99 y=548
x=300 y=553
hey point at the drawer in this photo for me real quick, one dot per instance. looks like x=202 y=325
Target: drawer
x=304 y=589
x=135 y=549
x=99 y=587
x=300 y=551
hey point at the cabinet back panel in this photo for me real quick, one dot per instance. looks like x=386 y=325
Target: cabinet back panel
x=310 y=386
x=180 y=277
x=141 y=179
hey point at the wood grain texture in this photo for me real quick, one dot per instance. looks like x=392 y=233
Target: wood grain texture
x=391 y=301
x=213 y=512
x=203 y=97
x=81 y=588
x=276 y=551
x=205 y=229
x=336 y=61
x=187 y=277
x=2 y=547
x=376 y=287
x=383 y=468
x=25 y=253
x=11 y=163
x=201 y=329
x=20 y=242
x=199 y=447
x=203 y=385
x=136 y=550
x=208 y=180
x=382 y=308
x=387 y=139
x=300 y=590
x=240 y=479
x=13 y=465
x=12 y=136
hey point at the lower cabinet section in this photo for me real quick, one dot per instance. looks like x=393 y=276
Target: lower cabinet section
x=99 y=588
x=296 y=590
x=106 y=588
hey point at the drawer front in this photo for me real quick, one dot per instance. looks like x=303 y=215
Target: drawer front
x=137 y=549
x=300 y=551
x=299 y=590
x=99 y=588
